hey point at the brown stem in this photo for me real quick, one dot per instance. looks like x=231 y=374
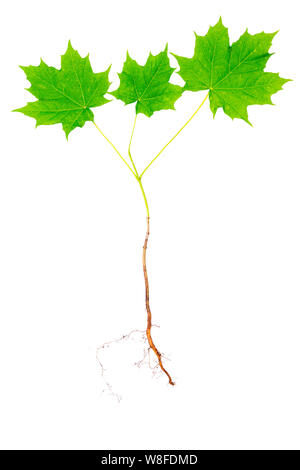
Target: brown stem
x=149 y=315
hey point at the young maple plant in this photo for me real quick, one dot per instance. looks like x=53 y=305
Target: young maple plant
x=233 y=76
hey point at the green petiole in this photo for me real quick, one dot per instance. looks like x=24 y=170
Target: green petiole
x=133 y=169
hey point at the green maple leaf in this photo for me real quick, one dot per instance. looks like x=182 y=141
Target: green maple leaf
x=67 y=95
x=148 y=86
x=234 y=75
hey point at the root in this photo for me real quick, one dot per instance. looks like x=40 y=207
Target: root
x=107 y=385
x=146 y=337
x=149 y=315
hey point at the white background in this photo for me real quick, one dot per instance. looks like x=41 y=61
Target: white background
x=224 y=256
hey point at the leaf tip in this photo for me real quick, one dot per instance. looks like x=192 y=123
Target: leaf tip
x=70 y=48
x=244 y=119
x=107 y=71
x=220 y=22
x=275 y=32
x=67 y=133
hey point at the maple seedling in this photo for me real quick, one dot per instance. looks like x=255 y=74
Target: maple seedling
x=233 y=76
